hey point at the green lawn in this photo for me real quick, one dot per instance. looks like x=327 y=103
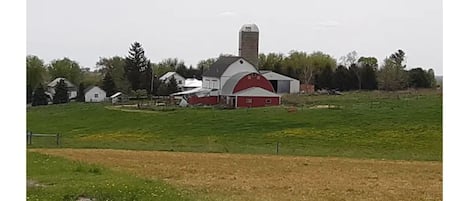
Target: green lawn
x=406 y=126
x=53 y=178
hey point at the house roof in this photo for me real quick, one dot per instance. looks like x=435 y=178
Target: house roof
x=116 y=94
x=230 y=84
x=56 y=81
x=256 y=92
x=168 y=75
x=91 y=87
x=219 y=67
x=270 y=75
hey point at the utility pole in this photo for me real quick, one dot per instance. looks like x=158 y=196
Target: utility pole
x=151 y=86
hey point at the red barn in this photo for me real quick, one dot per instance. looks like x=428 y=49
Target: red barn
x=234 y=81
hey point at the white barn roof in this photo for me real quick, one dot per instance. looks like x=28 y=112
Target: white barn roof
x=231 y=83
x=256 y=92
x=191 y=82
x=270 y=75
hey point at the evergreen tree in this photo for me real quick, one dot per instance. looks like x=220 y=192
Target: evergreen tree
x=61 y=93
x=324 y=80
x=368 y=77
x=172 y=86
x=341 y=78
x=162 y=90
x=81 y=93
x=108 y=85
x=39 y=97
x=29 y=93
x=135 y=64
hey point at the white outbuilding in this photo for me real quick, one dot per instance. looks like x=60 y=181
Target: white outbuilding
x=94 y=94
x=282 y=84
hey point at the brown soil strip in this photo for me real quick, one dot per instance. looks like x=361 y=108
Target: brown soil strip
x=265 y=177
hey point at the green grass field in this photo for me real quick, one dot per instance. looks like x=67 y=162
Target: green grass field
x=54 y=178
x=381 y=125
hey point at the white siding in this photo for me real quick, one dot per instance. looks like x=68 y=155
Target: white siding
x=95 y=94
x=238 y=66
x=294 y=86
x=210 y=83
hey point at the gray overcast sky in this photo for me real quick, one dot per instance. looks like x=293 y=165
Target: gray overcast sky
x=85 y=30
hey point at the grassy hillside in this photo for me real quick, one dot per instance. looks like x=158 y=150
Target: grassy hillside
x=395 y=125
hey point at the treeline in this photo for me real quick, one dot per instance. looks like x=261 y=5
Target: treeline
x=136 y=75
x=351 y=72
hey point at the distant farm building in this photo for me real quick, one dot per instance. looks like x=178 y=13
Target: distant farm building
x=282 y=84
x=179 y=79
x=192 y=83
x=72 y=89
x=234 y=81
x=94 y=94
x=118 y=97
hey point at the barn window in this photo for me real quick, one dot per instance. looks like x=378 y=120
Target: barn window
x=248 y=100
x=96 y=95
x=249 y=77
x=258 y=77
x=180 y=82
x=241 y=61
x=268 y=101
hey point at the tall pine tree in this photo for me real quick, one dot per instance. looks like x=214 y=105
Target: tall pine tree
x=39 y=97
x=81 y=93
x=61 y=93
x=108 y=85
x=135 y=64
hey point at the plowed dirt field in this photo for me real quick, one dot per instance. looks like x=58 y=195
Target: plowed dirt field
x=269 y=177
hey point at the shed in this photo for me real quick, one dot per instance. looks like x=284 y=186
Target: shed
x=118 y=98
x=94 y=94
x=282 y=84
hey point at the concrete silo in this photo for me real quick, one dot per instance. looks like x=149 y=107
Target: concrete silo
x=249 y=43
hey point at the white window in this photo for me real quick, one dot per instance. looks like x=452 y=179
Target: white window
x=248 y=100
x=180 y=82
x=96 y=95
x=214 y=84
x=268 y=101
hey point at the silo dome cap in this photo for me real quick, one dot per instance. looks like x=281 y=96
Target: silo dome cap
x=249 y=28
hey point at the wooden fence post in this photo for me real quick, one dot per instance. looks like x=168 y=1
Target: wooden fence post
x=277 y=148
x=30 y=137
x=57 y=138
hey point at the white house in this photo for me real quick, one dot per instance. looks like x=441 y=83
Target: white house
x=72 y=89
x=179 y=79
x=94 y=94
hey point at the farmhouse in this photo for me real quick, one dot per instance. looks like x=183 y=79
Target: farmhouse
x=179 y=79
x=94 y=94
x=72 y=89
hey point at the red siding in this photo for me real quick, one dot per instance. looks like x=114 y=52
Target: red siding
x=210 y=100
x=257 y=101
x=253 y=80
